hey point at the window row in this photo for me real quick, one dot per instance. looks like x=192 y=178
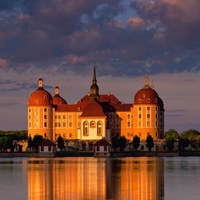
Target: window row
x=92 y=124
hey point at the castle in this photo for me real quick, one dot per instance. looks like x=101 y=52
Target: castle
x=95 y=115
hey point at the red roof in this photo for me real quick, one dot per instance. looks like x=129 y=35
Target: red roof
x=40 y=97
x=47 y=142
x=102 y=142
x=57 y=100
x=93 y=109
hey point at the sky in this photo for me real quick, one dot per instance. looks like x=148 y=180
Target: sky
x=59 y=40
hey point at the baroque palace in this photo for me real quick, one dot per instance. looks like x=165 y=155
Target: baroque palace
x=95 y=115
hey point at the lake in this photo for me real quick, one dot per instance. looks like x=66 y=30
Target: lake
x=83 y=178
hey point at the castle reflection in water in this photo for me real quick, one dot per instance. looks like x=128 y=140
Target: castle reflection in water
x=96 y=178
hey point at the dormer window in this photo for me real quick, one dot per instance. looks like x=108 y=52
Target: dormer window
x=139 y=100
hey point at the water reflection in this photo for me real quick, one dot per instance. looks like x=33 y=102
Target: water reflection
x=96 y=178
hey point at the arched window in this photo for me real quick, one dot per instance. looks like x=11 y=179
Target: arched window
x=99 y=128
x=92 y=124
x=85 y=128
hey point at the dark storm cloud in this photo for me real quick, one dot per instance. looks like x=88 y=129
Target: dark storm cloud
x=56 y=35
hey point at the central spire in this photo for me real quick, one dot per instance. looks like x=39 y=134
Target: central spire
x=94 y=89
x=94 y=80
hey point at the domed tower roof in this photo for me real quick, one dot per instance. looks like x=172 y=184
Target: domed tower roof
x=94 y=89
x=57 y=99
x=40 y=96
x=147 y=95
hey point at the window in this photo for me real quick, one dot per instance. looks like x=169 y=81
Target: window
x=148 y=100
x=148 y=108
x=45 y=124
x=98 y=148
x=58 y=116
x=56 y=124
x=64 y=135
x=139 y=100
x=105 y=148
x=45 y=109
x=55 y=116
x=139 y=123
x=148 y=115
x=36 y=124
x=99 y=128
x=45 y=135
x=92 y=124
x=29 y=116
x=70 y=116
x=29 y=110
x=70 y=124
x=42 y=148
x=140 y=116
x=64 y=124
x=85 y=128
x=64 y=116
x=139 y=108
x=49 y=148
x=78 y=124
x=148 y=123
x=139 y=134
x=128 y=116
x=29 y=124
x=128 y=124
x=45 y=116
x=70 y=135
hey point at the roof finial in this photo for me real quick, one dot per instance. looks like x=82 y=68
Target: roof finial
x=152 y=85
x=146 y=80
x=40 y=83
x=57 y=89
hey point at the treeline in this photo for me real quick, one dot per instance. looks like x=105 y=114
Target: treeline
x=189 y=138
x=15 y=135
x=7 y=138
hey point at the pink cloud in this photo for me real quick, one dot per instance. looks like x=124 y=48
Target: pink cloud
x=135 y=22
x=4 y=65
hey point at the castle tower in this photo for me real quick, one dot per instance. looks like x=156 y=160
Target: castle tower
x=40 y=110
x=148 y=113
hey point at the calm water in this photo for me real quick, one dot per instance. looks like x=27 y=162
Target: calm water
x=100 y=178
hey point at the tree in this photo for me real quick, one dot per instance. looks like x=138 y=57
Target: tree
x=30 y=143
x=190 y=134
x=36 y=141
x=171 y=133
x=149 y=142
x=6 y=143
x=61 y=143
x=115 y=142
x=184 y=142
x=122 y=143
x=170 y=143
x=136 y=142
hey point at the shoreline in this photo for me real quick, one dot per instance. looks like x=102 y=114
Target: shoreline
x=91 y=154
